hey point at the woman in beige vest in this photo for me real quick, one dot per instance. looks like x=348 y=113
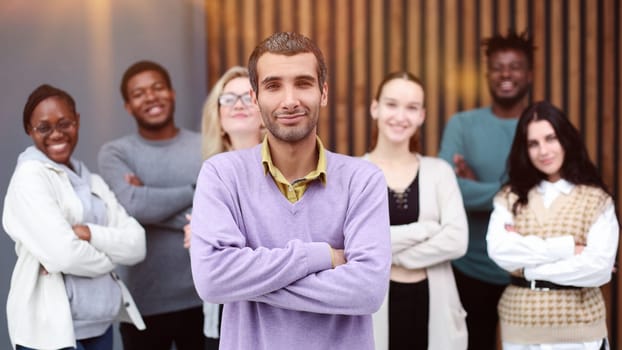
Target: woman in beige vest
x=554 y=228
x=428 y=227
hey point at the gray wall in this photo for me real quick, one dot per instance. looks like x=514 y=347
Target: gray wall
x=83 y=46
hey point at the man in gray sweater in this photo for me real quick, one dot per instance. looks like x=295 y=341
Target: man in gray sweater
x=153 y=174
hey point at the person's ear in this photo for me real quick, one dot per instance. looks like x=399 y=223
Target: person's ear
x=324 y=97
x=373 y=109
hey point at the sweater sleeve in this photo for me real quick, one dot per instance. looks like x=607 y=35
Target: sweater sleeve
x=359 y=286
x=513 y=251
x=591 y=268
x=224 y=269
x=450 y=242
x=34 y=219
x=148 y=204
x=122 y=239
x=477 y=195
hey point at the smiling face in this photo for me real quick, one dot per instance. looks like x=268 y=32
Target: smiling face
x=150 y=100
x=545 y=151
x=399 y=111
x=289 y=95
x=54 y=129
x=239 y=118
x=509 y=76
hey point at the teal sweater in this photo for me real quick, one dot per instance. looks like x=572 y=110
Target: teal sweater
x=485 y=141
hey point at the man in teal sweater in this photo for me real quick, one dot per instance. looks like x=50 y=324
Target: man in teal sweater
x=476 y=143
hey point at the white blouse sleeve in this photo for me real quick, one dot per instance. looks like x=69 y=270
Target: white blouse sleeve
x=591 y=268
x=512 y=251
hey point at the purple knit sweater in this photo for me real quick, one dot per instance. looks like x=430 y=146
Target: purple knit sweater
x=269 y=261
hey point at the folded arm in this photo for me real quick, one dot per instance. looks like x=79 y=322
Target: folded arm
x=476 y=194
x=34 y=219
x=447 y=241
x=148 y=204
x=298 y=276
x=358 y=287
x=593 y=266
x=513 y=251
x=123 y=238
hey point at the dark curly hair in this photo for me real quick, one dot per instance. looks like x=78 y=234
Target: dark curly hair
x=512 y=41
x=41 y=93
x=577 y=167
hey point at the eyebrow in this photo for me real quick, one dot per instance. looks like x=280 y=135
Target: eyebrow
x=305 y=77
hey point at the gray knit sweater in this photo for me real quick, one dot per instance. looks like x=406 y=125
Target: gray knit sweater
x=168 y=169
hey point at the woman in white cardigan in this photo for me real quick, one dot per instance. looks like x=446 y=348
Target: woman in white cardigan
x=69 y=232
x=428 y=227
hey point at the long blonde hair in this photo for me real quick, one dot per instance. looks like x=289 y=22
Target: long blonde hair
x=215 y=140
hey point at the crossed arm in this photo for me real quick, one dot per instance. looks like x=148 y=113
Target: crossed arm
x=559 y=260
x=299 y=275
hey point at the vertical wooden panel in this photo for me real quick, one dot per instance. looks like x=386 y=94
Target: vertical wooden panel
x=607 y=96
x=250 y=37
x=341 y=66
x=591 y=80
x=286 y=11
x=574 y=62
x=469 y=74
x=503 y=16
x=231 y=33
x=267 y=9
x=360 y=88
x=322 y=36
x=377 y=56
x=556 y=54
x=304 y=20
x=413 y=24
x=450 y=84
x=539 y=30
x=431 y=74
x=212 y=9
x=522 y=15
x=486 y=30
x=396 y=38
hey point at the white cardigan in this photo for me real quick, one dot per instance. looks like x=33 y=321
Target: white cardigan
x=439 y=236
x=40 y=208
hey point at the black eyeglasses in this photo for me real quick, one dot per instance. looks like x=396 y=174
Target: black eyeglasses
x=229 y=99
x=64 y=126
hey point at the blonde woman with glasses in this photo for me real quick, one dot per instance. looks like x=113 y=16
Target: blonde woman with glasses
x=230 y=122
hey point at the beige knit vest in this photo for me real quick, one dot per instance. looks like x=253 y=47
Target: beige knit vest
x=554 y=316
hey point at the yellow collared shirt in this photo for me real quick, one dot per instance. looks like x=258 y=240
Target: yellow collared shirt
x=294 y=191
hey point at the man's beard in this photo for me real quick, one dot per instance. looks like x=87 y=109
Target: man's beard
x=510 y=101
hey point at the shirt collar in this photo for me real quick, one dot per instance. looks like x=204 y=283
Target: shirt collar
x=561 y=186
x=269 y=167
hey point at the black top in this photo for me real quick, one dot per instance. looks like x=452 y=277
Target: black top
x=404 y=206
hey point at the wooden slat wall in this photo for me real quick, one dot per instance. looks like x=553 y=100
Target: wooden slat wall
x=577 y=63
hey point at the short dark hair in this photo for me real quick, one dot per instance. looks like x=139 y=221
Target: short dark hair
x=512 y=41
x=139 y=67
x=289 y=44
x=577 y=167
x=41 y=93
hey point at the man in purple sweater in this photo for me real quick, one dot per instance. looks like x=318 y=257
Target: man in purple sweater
x=292 y=238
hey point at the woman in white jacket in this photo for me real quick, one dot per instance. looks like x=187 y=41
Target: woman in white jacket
x=428 y=227
x=69 y=232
